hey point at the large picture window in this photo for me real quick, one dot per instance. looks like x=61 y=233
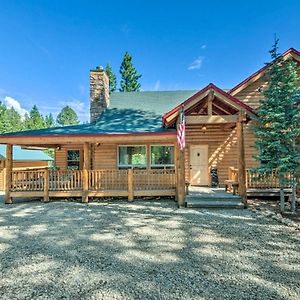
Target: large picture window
x=132 y=157
x=73 y=159
x=162 y=156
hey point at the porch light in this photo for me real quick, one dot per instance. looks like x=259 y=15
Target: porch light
x=58 y=148
x=203 y=129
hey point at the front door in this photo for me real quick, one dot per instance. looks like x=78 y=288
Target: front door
x=199 y=164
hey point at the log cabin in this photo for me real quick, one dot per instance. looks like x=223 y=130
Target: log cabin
x=23 y=159
x=129 y=148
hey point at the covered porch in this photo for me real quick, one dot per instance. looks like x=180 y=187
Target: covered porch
x=94 y=174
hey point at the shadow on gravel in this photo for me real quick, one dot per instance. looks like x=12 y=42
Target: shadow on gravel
x=148 y=250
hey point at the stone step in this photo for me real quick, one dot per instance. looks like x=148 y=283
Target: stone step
x=214 y=203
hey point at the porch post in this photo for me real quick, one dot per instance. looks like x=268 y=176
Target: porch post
x=180 y=178
x=8 y=166
x=241 y=158
x=85 y=173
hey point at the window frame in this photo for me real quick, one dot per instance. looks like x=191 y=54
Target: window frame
x=161 y=166
x=132 y=166
x=79 y=161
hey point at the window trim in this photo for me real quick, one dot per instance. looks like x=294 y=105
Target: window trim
x=132 y=166
x=163 y=166
x=80 y=158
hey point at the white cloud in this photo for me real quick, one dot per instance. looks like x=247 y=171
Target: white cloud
x=81 y=108
x=11 y=102
x=156 y=85
x=203 y=47
x=197 y=63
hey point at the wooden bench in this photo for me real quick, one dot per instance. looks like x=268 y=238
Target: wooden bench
x=231 y=185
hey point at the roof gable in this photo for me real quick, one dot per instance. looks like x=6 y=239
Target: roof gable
x=234 y=105
x=260 y=73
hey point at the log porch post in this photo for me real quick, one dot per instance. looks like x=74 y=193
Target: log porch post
x=8 y=166
x=130 y=185
x=180 y=177
x=46 y=185
x=241 y=157
x=85 y=173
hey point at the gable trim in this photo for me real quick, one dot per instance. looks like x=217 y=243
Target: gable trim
x=258 y=74
x=202 y=93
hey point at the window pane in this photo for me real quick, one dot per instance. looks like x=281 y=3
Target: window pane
x=73 y=159
x=73 y=165
x=132 y=155
x=162 y=155
x=74 y=155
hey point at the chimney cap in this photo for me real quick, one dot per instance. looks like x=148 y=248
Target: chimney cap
x=99 y=68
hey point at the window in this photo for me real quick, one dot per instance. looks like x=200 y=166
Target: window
x=162 y=156
x=132 y=156
x=73 y=159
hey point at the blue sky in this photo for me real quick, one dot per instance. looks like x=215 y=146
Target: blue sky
x=48 y=47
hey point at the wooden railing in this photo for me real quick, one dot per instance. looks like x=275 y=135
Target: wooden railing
x=68 y=180
x=154 y=179
x=27 y=180
x=255 y=180
x=93 y=182
x=100 y=180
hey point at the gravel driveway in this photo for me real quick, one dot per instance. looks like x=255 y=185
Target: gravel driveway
x=144 y=250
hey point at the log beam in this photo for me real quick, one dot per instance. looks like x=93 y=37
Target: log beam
x=8 y=166
x=241 y=158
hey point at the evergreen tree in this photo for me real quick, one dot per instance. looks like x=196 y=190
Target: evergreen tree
x=67 y=116
x=13 y=120
x=112 y=78
x=278 y=123
x=3 y=118
x=129 y=75
x=34 y=120
x=49 y=121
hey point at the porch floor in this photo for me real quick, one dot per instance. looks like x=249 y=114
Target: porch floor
x=206 y=197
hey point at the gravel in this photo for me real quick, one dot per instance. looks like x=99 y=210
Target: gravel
x=144 y=250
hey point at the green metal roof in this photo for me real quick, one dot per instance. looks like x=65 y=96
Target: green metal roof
x=24 y=154
x=135 y=112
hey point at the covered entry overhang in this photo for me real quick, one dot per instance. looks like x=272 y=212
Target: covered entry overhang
x=210 y=108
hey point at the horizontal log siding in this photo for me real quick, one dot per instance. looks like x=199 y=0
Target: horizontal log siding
x=251 y=95
x=105 y=157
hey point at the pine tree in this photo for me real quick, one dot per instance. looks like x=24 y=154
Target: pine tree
x=49 y=121
x=277 y=126
x=13 y=120
x=130 y=77
x=3 y=118
x=112 y=78
x=34 y=120
x=67 y=116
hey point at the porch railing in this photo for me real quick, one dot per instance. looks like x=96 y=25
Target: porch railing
x=255 y=180
x=93 y=182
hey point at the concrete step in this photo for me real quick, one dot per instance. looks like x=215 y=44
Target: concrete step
x=214 y=203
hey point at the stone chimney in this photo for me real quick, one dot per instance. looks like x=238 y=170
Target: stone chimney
x=99 y=93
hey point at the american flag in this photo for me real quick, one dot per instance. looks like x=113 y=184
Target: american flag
x=181 y=131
